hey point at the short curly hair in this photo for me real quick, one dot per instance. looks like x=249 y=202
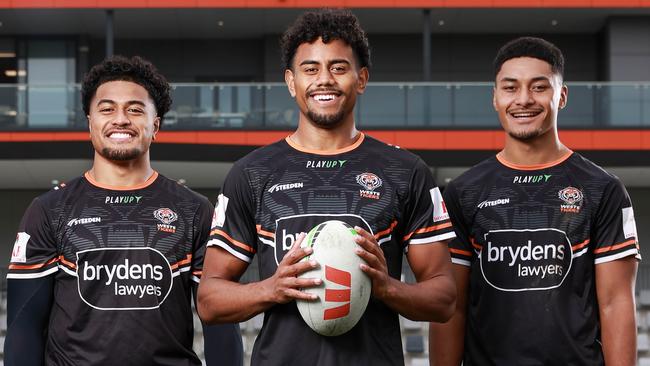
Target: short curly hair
x=328 y=24
x=134 y=69
x=534 y=47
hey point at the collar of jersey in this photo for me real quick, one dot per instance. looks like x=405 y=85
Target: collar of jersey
x=145 y=184
x=332 y=152
x=534 y=166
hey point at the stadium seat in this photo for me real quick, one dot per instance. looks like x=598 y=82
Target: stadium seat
x=643 y=342
x=414 y=344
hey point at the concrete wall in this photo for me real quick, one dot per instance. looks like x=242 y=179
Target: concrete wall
x=628 y=49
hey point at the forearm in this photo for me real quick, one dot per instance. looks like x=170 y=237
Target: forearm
x=431 y=300
x=224 y=301
x=446 y=341
x=618 y=332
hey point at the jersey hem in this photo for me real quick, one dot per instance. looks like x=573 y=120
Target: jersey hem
x=614 y=257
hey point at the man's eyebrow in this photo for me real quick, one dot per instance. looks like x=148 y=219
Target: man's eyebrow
x=110 y=101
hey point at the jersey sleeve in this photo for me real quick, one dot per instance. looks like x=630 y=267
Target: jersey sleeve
x=427 y=220
x=202 y=222
x=233 y=223
x=35 y=252
x=615 y=234
x=460 y=248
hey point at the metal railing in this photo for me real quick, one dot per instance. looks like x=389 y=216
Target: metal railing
x=408 y=105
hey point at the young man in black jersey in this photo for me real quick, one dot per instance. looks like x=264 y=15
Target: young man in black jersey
x=546 y=249
x=104 y=266
x=325 y=170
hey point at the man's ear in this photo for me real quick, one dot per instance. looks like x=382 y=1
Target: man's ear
x=362 y=81
x=288 y=78
x=156 y=127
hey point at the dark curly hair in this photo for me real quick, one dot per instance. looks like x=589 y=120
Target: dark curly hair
x=531 y=47
x=136 y=70
x=328 y=24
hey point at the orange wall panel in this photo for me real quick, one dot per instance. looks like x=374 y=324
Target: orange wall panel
x=171 y=4
x=122 y=4
x=619 y=140
x=577 y=140
x=33 y=4
x=271 y=3
x=75 y=3
x=600 y=140
x=221 y=3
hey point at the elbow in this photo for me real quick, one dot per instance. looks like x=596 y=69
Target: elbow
x=447 y=304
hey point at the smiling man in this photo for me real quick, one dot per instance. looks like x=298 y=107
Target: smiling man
x=104 y=266
x=546 y=250
x=326 y=170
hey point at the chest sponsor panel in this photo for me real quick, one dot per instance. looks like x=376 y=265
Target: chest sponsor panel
x=288 y=228
x=526 y=260
x=123 y=278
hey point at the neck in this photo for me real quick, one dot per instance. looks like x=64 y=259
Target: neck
x=540 y=150
x=121 y=173
x=312 y=137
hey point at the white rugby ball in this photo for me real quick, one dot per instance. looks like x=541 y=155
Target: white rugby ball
x=345 y=291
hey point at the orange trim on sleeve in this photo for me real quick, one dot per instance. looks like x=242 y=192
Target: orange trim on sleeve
x=615 y=246
x=145 y=184
x=462 y=252
x=233 y=241
x=198 y=273
x=580 y=246
x=387 y=231
x=33 y=266
x=67 y=263
x=332 y=152
x=264 y=232
x=534 y=166
x=428 y=229
x=188 y=259
x=475 y=244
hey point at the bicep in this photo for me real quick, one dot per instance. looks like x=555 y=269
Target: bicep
x=218 y=263
x=429 y=260
x=616 y=280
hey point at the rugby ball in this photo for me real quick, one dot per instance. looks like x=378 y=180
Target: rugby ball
x=345 y=291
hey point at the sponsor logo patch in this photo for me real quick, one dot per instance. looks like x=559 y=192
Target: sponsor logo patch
x=439 y=208
x=19 y=252
x=524 y=179
x=123 y=278
x=166 y=216
x=122 y=200
x=344 y=279
x=288 y=228
x=629 y=224
x=82 y=221
x=497 y=202
x=325 y=164
x=370 y=182
x=526 y=260
x=284 y=187
x=219 y=217
x=572 y=198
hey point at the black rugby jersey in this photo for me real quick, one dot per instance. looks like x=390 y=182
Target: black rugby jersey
x=124 y=262
x=532 y=237
x=279 y=191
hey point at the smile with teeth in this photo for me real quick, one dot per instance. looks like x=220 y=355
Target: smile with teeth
x=527 y=114
x=325 y=97
x=120 y=136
